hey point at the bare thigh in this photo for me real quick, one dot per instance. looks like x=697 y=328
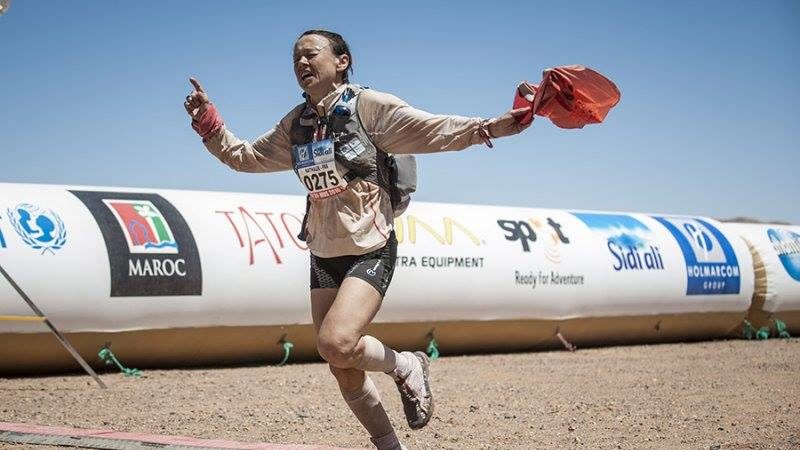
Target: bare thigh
x=353 y=308
x=343 y=315
x=321 y=301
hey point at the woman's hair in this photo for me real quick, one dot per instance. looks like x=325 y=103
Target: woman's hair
x=339 y=47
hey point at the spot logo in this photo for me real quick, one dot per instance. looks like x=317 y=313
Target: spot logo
x=711 y=264
x=787 y=245
x=529 y=231
x=39 y=228
x=630 y=242
x=151 y=250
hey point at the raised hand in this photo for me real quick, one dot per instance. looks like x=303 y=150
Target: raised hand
x=507 y=124
x=197 y=101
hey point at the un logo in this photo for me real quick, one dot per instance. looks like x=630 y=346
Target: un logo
x=39 y=228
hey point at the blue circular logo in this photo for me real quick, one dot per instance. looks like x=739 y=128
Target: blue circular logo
x=700 y=238
x=787 y=245
x=41 y=229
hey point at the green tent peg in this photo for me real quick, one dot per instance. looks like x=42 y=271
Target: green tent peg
x=287 y=350
x=780 y=326
x=749 y=331
x=433 y=346
x=109 y=358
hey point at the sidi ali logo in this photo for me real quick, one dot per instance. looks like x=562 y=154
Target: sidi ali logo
x=39 y=228
x=629 y=241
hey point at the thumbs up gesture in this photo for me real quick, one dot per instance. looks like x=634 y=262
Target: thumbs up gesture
x=197 y=101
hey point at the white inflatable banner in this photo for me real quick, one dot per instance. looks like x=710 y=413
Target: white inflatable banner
x=113 y=259
x=779 y=249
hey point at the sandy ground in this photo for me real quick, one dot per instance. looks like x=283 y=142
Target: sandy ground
x=726 y=395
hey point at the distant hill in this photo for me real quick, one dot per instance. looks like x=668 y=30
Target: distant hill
x=752 y=220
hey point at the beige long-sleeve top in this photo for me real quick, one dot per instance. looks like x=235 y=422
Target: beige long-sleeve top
x=358 y=220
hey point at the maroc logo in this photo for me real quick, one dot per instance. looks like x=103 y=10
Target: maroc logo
x=444 y=238
x=629 y=241
x=711 y=264
x=41 y=229
x=787 y=245
x=528 y=231
x=146 y=230
x=151 y=250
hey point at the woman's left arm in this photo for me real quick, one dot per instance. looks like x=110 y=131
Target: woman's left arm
x=396 y=127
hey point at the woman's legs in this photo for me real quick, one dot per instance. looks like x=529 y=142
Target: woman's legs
x=341 y=337
x=356 y=387
x=341 y=340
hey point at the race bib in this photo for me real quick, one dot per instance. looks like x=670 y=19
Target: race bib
x=315 y=165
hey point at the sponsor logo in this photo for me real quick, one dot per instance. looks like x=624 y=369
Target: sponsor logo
x=531 y=230
x=145 y=228
x=373 y=271
x=441 y=262
x=41 y=229
x=787 y=245
x=151 y=250
x=629 y=242
x=446 y=237
x=711 y=264
x=272 y=230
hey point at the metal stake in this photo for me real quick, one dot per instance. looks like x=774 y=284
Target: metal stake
x=52 y=327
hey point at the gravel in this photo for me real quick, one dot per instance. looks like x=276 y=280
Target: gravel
x=712 y=395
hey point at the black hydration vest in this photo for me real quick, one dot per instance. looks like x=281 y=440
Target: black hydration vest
x=355 y=154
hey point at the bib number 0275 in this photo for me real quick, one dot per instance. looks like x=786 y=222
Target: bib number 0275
x=320 y=180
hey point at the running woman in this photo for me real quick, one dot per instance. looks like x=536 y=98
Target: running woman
x=337 y=142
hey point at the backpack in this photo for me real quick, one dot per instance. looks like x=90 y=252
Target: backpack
x=402 y=181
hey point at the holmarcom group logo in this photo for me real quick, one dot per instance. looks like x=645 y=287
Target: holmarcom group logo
x=41 y=229
x=711 y=263
x=787 y=245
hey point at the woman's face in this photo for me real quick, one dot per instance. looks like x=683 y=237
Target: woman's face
x=317 y=69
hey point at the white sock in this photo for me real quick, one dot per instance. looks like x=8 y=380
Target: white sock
x=404 y=366
x=366 y=406
x=376 y=357
x=388 y=442
x=409 y=371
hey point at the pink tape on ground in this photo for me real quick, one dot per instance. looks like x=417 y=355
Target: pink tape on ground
x=156 y=438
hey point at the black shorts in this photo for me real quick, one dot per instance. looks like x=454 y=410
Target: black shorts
x=376 y=268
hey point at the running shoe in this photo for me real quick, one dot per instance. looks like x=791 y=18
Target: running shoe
x=415 y=391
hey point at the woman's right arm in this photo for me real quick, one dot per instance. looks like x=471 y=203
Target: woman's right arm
x=271 y=152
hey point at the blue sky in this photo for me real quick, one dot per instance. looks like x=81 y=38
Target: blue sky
x=91 y=92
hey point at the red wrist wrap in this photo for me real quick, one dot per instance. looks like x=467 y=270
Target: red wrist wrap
x=208 y=123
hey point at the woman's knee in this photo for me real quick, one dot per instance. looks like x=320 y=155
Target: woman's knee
x=337 y=348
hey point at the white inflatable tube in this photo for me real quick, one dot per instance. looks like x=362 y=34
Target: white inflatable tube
x=776 y=251
x=111 y=260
